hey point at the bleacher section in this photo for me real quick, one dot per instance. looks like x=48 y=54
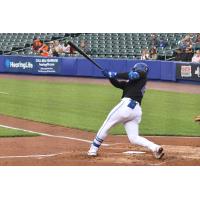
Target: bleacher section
x=100 y=45
x=20 y=43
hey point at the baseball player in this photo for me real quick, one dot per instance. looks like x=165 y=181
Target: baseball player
x=128 y=111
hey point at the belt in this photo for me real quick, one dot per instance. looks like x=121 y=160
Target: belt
x=132 y=103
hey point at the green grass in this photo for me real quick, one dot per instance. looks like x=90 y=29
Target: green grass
x=4 y=132
x=85 y=106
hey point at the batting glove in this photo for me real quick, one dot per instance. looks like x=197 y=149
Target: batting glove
x=108 y=74
x=133 y=75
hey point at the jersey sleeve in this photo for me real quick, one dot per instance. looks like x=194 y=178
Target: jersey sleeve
x=131 y=75
x=122 y=75
x=118 y=84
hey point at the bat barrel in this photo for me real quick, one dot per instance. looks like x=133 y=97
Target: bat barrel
x=85 y=55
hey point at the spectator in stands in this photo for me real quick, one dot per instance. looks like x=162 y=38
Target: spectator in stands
x=198 y=39
x=72 y=51
x=51 y=44
x=51 y=48
x=184 y=51
x=144 y=55
x=196 y=57
x=197 y=42
x=44 y=47
x=37 y=43
x=66 y=48
x=84 y=47
x=154 y=40
x=57 y=47
x=44 y=53
x=186 y=43
x=43 y=50
x=162 y=43
x=53 y=52
x=153 y=53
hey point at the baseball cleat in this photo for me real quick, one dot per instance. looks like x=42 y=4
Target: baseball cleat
x=93 y=151
x=158 y=154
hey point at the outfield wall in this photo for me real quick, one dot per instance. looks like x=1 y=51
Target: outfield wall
x=79 y=66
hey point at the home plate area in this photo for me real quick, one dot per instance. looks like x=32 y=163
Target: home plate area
x=61 y=146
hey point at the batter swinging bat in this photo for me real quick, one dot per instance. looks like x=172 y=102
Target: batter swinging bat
x=84 y=54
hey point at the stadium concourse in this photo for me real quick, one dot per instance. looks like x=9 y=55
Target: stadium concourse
x=58 y=145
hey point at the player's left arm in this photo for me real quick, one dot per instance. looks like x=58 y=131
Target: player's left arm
x=128 y=75
x=118 y=84
x=132 y=75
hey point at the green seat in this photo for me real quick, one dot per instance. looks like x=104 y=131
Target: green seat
x=131 y=57
x=115 y=41
x=138 y=51
x=22 y=44
x=108 y=51
x=14 y=53
x=94 y=45
x=124 y=56
x=123 y=51
x=94 y=56
x=101 y=56
x=116 y=56
x=109 y=56
x=130 y=51
x=115 y=51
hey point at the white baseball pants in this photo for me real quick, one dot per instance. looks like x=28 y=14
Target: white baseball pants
x=130 y=117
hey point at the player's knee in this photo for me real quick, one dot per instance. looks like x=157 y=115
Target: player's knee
x=138 y=119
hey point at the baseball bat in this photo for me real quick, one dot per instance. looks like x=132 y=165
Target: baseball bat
x=85 y=55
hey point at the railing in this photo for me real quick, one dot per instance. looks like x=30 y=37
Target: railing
x=166 y=51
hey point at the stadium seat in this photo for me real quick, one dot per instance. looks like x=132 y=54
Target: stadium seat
x=110 y=45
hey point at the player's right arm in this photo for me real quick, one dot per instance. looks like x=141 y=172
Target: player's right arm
x=112 y=78
x=126 y=75
x=131 y=75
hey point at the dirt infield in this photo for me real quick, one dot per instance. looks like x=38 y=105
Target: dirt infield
x=68 y=147
x=61 y=147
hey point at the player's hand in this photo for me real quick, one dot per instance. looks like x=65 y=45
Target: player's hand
x=109 y=74
x=133 y=75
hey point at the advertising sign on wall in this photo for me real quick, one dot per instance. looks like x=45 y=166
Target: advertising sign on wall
x=31 y=65
x=188 y=71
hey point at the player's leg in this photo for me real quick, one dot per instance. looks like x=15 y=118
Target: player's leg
x=113 y=118
x=132 y=129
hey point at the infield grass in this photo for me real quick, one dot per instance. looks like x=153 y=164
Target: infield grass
x=85 y=106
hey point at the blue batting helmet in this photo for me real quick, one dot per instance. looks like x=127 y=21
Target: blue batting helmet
x=140 y=67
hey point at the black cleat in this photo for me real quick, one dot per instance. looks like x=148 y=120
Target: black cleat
x=158 y=154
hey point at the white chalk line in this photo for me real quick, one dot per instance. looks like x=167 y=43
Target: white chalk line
x=49 y=135
x=4 y=93
x=39 y=156
x=133 y=152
